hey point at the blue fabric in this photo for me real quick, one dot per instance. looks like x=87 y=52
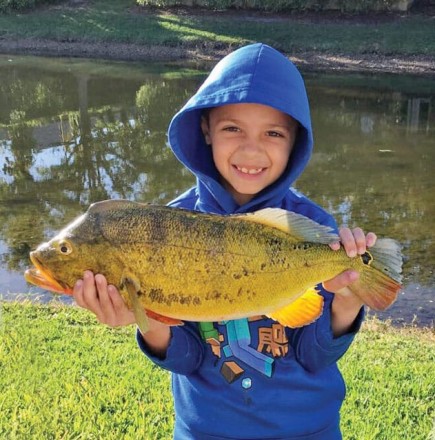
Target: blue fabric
x=252 y=379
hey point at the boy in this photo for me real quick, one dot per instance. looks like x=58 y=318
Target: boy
x=246 y=135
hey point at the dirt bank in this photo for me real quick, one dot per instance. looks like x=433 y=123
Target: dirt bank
x=420 y=65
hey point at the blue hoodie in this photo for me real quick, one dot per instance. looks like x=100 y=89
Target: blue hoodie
x=252 y=379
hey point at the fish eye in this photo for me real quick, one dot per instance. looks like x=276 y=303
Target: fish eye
x=65 y=248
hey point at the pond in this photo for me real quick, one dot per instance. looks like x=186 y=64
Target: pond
x=73 y=132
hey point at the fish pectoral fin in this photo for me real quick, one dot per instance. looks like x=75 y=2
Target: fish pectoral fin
x=304 y=310
x=163 y=319
x=297 y=226
x=131 y=285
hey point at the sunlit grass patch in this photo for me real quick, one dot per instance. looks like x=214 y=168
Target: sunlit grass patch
x=123 y=22
x=65 y=376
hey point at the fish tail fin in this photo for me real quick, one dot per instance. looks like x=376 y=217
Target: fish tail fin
x=380 y=282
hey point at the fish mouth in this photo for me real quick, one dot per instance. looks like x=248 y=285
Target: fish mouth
x=41 y=277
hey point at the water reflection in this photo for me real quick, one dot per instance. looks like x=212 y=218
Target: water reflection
x=74 y=132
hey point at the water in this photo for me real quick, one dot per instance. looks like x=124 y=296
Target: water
x=73 y=132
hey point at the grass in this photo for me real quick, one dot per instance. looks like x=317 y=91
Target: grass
x=390 y=376
x=118 y=21
x=64 y=376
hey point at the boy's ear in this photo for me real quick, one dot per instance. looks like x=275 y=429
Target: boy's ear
x=205 y=130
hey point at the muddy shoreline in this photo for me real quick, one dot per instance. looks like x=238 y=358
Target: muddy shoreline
x=307 y=61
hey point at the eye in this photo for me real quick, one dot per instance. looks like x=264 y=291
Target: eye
x=231 y=128
x=65 y=248
x=273 y=133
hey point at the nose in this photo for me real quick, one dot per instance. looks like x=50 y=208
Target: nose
x=251 y=145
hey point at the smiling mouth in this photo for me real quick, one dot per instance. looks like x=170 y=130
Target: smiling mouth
x=251 y=171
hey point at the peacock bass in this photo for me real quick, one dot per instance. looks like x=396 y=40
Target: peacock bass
x=177 y=265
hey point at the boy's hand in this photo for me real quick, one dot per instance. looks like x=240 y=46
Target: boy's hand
x=103 y=300
x=106 y=303
x=355 y=242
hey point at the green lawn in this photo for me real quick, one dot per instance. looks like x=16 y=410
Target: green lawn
x=120 y=21
x=64 y=376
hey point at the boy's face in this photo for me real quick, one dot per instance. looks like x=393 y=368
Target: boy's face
x=251 y=146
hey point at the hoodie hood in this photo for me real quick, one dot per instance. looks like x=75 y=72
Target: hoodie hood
x=256 y=74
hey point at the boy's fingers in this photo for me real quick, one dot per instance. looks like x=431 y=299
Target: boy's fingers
x=360 y=240
x=348 y=242
x=371 y=239
x=355 y=241
x=341 y=281
x=90 y=294
x=105 y=302
x=335 y=246
x=116 y=298
x=78 y=293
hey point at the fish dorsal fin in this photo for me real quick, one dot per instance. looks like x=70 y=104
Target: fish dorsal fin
x=108 y=205
x=301 y=228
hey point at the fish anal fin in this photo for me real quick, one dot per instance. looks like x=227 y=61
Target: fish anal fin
x=304 y=310
x=297 y=226
x=163 y=319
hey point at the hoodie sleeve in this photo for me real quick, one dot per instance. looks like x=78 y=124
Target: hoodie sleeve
x=315 y=346
x=185 y=351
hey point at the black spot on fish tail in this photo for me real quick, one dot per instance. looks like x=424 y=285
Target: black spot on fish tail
x=366 y=258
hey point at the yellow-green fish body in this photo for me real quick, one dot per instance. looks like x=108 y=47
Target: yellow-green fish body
x=192 y=266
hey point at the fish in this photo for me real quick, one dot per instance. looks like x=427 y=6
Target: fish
x=176 y=265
